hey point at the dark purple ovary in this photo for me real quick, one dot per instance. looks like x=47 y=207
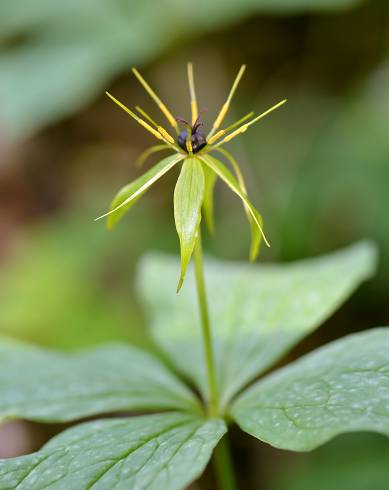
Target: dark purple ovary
x=197 y=139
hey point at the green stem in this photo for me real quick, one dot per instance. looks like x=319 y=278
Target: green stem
x=206 y=329
x=223 y=465
x=222 y=457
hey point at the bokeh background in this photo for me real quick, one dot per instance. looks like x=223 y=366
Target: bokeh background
x=318 y=169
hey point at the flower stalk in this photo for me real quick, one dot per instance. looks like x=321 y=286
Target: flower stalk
x=213 y=399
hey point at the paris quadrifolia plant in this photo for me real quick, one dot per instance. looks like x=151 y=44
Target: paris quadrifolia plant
x=195 y=152
x=230 y=324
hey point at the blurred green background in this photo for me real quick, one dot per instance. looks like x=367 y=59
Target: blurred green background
x=318 y=169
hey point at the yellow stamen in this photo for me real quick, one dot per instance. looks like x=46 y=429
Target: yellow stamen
x=146 y=116
x=134 y=116
x=216 y=136
x=189 y=146
x=221 y=115
x=156 y=99
x=193 y=99
x=166 y=135
x=239 y=121
x=149 y=128
x=222 y=132
x=226 y=105
x=240 y=130
x=243 y=128
x=168 y=115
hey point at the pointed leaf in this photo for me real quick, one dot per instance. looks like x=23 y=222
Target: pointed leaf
x=153 y=452
x=129 y=194
x=222 y=171
x=257 y=312
x=210 y=181
x=39 y=384
x=341 y=387
x=188 y=199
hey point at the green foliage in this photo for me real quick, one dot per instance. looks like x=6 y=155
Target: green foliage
x=37 y=384
x=53 y=287
x=70 y=50
x=166 y=451
x=188 y=199
x=258 y=313
x=342 y=387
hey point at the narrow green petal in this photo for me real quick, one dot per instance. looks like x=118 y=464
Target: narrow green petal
x=222 y=171
x=256 y=234
x=188 y=199
x=128 y=195
x=145 y=154
x=210 y=181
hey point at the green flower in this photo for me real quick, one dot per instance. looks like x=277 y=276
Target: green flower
x=193 y=194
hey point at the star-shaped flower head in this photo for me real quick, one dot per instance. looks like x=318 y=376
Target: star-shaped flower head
x=195 y=152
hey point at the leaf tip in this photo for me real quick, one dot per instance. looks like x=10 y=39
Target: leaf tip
x=180 y=283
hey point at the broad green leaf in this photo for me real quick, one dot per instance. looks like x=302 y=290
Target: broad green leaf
x=258 y=312
x=48 y=386
x=188 y=199
x=128 y=195
x=153 y=452
x=209 y=185
x=342 y=387
x=256 y=235
x=222 y=171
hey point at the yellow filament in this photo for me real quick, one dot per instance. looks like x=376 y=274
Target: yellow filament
x=244 y=127
x=226 y=105
x=133 y=115
x=166 y=135
x=156 y=99
x=168 y=115
x=146 y=116
x=195 y=112
x=240 y=130
x=221 y=115
x=239 y=121
x=268 y=111
x=216 y=136
x=192 y=92
x=149 y=128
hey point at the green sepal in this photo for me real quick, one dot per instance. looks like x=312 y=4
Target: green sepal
x=222 y=171
x=188 y=199
x=208 y=207
x=256 y=235
x=129 y=194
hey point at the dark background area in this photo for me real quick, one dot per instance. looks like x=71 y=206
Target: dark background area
x=318 y=169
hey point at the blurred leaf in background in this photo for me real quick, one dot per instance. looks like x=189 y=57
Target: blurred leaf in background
x=56 y=57
x=326 y=183
x=351 y=462
x=67 y=284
